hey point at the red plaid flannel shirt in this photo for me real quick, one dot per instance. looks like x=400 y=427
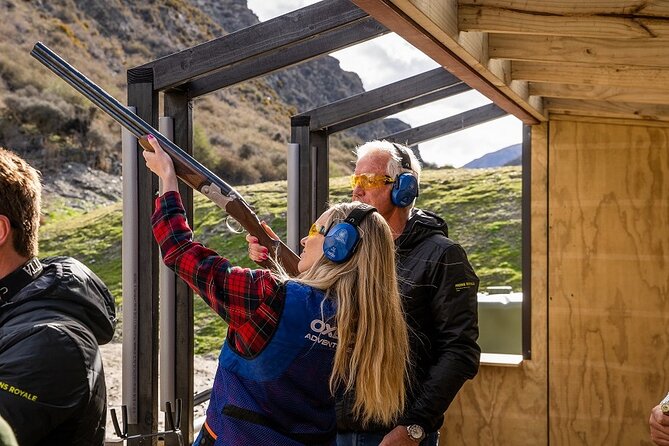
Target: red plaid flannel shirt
x=250 y=301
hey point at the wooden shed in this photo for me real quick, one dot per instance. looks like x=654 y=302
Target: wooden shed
x=591 y=78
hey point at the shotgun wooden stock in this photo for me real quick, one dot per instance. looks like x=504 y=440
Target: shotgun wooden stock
x=188 y=169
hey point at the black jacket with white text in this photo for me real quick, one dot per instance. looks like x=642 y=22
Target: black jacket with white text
x=52 y=386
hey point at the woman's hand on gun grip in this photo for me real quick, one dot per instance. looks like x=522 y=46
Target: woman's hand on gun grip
x=161 y=164
x=258 y=252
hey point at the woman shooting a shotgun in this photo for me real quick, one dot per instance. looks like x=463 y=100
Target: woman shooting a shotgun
x=293 y=342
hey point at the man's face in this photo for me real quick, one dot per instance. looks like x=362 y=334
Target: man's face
x=379 y=197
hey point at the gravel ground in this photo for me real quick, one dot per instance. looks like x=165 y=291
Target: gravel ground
x=205 y=368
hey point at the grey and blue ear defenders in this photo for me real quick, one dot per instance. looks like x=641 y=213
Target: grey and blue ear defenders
x=405 y=188
x=342 y=239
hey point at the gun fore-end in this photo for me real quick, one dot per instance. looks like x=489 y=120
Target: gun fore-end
x=239 y=210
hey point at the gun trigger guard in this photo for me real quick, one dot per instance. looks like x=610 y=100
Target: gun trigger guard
x=214 y=193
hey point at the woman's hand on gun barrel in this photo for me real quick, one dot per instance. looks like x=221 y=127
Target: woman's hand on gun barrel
x=160 y=163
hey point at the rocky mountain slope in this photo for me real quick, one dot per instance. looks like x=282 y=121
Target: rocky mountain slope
x=508 y=156
x=46 y=121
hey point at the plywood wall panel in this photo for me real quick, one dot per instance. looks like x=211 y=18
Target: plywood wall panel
x=508 y=406
x=608 y=281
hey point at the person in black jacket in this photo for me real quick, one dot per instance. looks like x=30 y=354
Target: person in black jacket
x=439 y=292
x=53 y=315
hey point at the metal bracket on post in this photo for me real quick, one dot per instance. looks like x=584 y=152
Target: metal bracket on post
x=129 y=246
x=172 y=424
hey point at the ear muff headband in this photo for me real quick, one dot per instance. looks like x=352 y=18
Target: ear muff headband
x=405 y=189
x=342 y=239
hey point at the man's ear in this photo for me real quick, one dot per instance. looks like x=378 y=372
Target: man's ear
x=5 y=230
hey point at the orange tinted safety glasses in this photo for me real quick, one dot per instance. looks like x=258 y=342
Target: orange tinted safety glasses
x=313 y=230
x=370 y=180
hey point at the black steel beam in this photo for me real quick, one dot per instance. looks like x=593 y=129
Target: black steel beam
x=299 y=134
x=142 y=96
x=320 y=173
x=448 y=125
x=289 y=29
x=380 y=99
x=180 y=109
x=324 y=43
x=526 y=253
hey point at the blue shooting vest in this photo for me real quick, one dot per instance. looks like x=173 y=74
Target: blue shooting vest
x=281 y=396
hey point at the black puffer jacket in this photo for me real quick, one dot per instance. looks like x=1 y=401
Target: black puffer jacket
x=439 y=288
x=52 y=387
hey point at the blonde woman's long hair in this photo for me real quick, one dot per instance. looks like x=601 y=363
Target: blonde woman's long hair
x=373 y=347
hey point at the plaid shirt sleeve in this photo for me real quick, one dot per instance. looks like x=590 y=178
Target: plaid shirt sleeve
x=250 y=301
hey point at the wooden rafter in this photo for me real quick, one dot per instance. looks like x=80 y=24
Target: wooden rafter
x=489 y=16
x=617 y=75
x=637 y=52
x=601 y=92
x=608 y=109
x=433 y=30
x=612 y=54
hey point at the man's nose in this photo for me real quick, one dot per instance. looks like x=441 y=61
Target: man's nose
x=303 y=241
x=358 y=191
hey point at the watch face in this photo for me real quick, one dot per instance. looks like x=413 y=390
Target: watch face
x=415 y=432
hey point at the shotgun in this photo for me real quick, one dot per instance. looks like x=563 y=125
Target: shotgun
x=188 y=169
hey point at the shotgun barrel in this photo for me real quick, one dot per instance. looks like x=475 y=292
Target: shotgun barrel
x=188 y=169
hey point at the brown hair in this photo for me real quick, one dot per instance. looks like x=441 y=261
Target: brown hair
x=20 y=201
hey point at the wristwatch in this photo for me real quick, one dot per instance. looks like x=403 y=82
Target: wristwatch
x=416 y=432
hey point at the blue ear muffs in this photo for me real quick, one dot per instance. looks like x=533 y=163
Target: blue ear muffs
x=405 y=188
x=342 y=239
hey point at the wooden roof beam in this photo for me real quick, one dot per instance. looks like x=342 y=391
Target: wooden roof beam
x=400 y=106
x=613 y=8
x=384 y=101
x=324 y=43
x=606 y=109
x=574 y=73
x=432 y=28
x=565 y=19
x=642 y=95
x=289 y=29
x=446 y=126
x=640 y=52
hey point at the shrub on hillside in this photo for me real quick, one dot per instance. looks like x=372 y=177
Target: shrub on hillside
x=49 y=113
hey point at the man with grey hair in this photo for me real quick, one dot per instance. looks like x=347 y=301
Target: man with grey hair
x=439 y=292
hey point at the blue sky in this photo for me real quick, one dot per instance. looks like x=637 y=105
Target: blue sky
x=389 y=58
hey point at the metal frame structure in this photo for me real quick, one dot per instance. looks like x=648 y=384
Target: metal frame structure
x=246 y=54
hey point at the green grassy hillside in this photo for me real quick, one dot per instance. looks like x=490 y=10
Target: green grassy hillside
x=482 y=208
